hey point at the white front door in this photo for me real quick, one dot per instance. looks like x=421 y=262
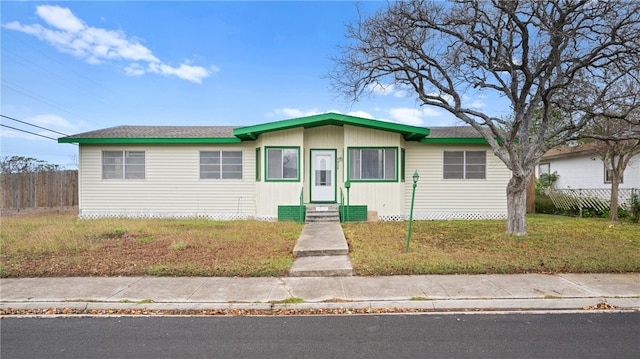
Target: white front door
x=323 y=175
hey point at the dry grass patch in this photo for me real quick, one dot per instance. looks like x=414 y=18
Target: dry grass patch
x=554 y=244
x=62 y=245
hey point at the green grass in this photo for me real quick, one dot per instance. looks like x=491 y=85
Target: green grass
x=554 y=244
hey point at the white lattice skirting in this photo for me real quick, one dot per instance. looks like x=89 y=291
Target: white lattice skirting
x=431 y=216
x=425 y=216
x=165 y=215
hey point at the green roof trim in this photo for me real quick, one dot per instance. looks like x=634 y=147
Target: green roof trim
x=148 y=140
x=409 y=133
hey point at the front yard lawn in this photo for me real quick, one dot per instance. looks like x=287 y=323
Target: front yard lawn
x=61 y=245
x=554 y=244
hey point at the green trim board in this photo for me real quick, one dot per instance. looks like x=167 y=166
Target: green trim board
x=409 y=133
x=266 y=164
x=357 y=213
x=335 y=174
x=348 y=149
x=295 y=213
x=148 y=140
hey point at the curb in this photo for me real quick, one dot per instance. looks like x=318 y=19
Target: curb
x=525 y=304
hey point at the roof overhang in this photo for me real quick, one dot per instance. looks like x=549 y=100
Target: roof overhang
x=148 y=140
x=409 y=133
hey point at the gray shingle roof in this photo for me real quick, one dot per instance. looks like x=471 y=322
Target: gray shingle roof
x=160 y=132
x=227 y=132
x=454 y=132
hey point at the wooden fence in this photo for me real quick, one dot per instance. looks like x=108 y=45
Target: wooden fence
x=38 y=190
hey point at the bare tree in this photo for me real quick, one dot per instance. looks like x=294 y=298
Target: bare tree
x=616 y=135
x=536 y=54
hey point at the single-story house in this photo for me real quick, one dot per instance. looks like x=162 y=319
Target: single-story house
x=227 y=173
x=580 y=167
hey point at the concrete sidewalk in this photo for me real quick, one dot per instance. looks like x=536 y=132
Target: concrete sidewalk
x=426 y=292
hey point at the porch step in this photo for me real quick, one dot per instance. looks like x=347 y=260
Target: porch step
x=322 y=213
x=322 y=266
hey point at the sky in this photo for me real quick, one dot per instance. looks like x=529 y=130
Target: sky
x=79 y=66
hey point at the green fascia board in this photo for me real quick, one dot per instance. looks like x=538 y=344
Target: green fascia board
x=410 y=133
x=148 y=140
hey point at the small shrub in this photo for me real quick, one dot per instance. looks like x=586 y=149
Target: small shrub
x=146 y=239
x=178 y=246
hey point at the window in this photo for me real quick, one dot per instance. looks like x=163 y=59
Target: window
x=465 y=165
x=544 y=168
x=282 y=164
x=372 y=164
x=122 y=164
x=258 y=167
x=402 y=164
x=608 y=175
x=221 y=165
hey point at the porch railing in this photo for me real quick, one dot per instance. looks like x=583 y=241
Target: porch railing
x=302 y=208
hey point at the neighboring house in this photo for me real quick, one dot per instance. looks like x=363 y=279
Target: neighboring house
x=580 y=167
x=227 y=173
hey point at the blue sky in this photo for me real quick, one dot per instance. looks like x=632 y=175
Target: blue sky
x=81 y=66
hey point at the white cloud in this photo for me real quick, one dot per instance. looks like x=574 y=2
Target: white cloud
x=51 y=121
x=59 y=17
x=431 y=112
x=134 y=69
x=361 y=113
x=94 y=45
x=381 y=89
x=294 y=112
x=477 y=104
x=409 y=116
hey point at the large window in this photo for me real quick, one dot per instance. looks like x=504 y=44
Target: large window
x=282 y=164
x=221 y=165
x=122 y=164
x=465 y=165
x=373 y=164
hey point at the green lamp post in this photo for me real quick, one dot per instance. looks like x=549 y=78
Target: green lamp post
x=416 y=177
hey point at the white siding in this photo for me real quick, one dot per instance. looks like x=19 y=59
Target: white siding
x=270 y=194
x=438 y=198
x=172 y=186
x=588 y=172
x=385 y=198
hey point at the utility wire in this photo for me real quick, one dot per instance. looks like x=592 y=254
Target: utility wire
x=30 y=124
x=29 y=132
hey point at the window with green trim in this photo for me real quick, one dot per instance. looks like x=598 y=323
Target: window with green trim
x=123 y=164
x=402 y=164
x=465 y=165
x=220 y=164
x=258 y=167
x=373 y=164
x=282 y=164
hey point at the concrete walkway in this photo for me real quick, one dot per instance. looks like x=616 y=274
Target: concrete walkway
x=321 y=251
x=426 y=292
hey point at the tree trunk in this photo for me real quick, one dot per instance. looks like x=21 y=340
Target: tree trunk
x=517 y=205
x=613 y=208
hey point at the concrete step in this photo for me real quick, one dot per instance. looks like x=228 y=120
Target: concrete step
x=321 y=239
x=322 y=266
x=322 y=213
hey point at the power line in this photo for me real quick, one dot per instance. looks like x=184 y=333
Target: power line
x=29 y=132
x=30 y=124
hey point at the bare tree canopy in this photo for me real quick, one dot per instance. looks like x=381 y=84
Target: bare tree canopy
x=539 y=55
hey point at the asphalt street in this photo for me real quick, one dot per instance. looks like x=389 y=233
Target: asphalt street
x=588 y=335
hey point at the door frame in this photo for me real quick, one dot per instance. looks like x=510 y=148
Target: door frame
x=335 y=174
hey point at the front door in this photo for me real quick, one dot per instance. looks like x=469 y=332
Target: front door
x=323 y=175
